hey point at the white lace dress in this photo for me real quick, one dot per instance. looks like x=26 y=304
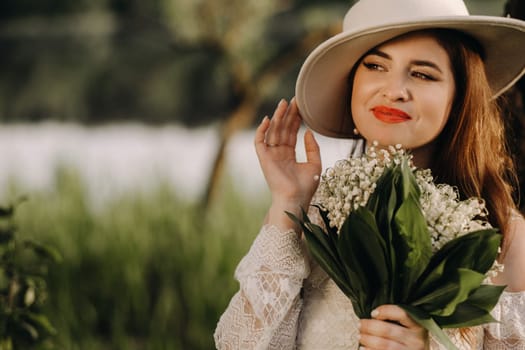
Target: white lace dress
x=287 y=302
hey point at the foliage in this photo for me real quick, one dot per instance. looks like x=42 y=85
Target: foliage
x=155 y=61
x=24 y=268
x=145 y=271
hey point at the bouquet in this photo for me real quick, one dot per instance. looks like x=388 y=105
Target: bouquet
x=392 y=236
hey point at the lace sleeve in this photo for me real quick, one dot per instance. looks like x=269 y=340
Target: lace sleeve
x=264 y=312
x=509 y=333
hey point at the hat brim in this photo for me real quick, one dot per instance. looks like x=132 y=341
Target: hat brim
x=321 y=87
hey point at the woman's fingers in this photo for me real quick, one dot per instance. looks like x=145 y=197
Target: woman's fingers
x=291 y=124
x=392 y=328
x=260 y=134
x=273 y=134
x=311 y=147
x=284 y=125
x=378 y=334
x=394 y=313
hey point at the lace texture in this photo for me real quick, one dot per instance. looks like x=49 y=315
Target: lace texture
x=268 y=312
x=264 y=313
x=510 y=332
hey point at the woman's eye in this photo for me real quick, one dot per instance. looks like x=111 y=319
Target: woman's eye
x=373 y=66
x=423 y=76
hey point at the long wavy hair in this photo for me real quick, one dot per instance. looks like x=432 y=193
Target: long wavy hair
x=471 y=152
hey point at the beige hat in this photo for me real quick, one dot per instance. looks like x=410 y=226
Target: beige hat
x=321 y=87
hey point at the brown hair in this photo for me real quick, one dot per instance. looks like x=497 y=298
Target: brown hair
x=471 y=152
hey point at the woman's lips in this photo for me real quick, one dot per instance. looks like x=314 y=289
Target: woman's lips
x=390 y=115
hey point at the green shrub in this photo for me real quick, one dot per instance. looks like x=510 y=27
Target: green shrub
x=145 y=271
x=24 y=265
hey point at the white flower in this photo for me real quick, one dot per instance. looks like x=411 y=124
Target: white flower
x=349 y=184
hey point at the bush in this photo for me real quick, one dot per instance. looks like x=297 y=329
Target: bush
x=24 y=265
x=147 y=271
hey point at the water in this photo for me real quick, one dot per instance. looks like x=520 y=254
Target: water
x=117 y=158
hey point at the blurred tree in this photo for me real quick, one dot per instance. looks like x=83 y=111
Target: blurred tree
x=155 y=61
x=259 y=43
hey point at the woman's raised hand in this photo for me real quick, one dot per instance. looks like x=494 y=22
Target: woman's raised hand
x=291 y=183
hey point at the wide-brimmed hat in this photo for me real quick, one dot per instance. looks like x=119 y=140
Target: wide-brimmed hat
x=321 y=87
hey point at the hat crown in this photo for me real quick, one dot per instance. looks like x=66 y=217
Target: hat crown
x=366 y=14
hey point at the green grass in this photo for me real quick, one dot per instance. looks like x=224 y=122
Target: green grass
x=148 y=271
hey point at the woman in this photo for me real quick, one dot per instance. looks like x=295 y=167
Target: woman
x=413 y=72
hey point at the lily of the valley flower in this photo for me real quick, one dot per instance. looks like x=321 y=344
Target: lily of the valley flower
x=350 y=182
x=392 y=236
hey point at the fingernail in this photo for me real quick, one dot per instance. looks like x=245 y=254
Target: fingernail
x=374 y=313
x=265 y=119
x=282 y=101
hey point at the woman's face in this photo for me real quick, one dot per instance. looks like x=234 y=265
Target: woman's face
x=403 y=92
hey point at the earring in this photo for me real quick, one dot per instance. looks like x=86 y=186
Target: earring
x=356 y=132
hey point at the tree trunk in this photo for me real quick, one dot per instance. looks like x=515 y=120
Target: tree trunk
x=245 y=113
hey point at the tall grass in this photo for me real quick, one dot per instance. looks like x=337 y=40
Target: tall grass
x=147 y=271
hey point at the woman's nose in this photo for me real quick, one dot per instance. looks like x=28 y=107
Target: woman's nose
x=396 y=89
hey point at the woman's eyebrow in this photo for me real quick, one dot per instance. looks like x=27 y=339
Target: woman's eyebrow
x=424 y=63
x=379 y=53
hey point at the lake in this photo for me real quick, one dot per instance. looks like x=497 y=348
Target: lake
x=116 y=158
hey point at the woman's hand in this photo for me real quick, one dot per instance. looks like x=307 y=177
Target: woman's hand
x=400 y=333
x=291 y=183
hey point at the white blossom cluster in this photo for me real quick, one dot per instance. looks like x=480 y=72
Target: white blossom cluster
x=349 y=184
x=447 y=216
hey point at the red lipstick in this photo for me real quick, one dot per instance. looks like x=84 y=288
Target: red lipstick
x=390 y=115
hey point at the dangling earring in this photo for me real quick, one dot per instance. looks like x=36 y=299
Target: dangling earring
x=356 y=132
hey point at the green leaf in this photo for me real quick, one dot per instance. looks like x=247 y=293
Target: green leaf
x=475 y=310
x=314 y=233
x=486 y=296
x=331 y=267
x=323 y=237
x=42 y=322
x=465 y=315
x=452 y=291
x=332 y=232
x=382 y=203
x=327 y=239
x=44 y=250
x=28 y=330
x=412 y=244
x=324 y=253
x=424 y=320
x=363 y=251
x=475 y=251
x=324 y=215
